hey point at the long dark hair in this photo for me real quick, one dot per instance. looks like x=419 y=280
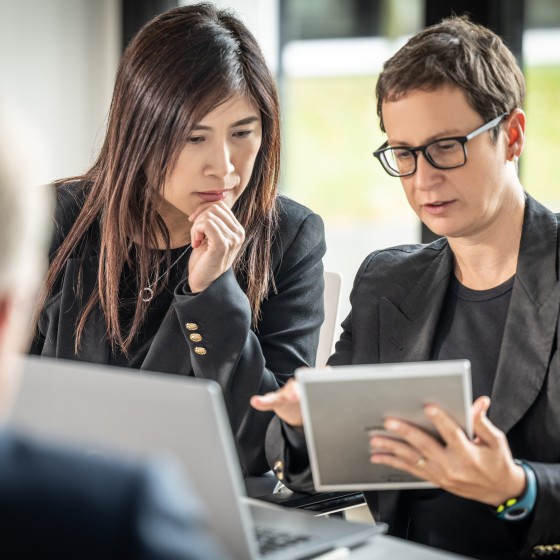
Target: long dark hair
x=178 y=68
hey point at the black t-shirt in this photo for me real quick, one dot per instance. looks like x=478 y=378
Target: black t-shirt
x=157 y=310
x=471 y=326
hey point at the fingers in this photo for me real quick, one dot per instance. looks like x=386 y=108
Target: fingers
x=485 y=432
x=451 y=433
x=220 y=208
x=217 y=223
x=284 y=403
x=216 y=238
x=289 y=393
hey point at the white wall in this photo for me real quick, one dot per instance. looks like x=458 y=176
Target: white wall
x=58 y=60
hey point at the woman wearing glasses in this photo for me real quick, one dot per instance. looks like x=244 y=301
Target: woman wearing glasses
x=488 y=290
x=174 y=252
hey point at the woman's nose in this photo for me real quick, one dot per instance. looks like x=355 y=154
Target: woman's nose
x=220 y=161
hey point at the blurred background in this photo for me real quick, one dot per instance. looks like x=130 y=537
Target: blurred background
x=58 y=60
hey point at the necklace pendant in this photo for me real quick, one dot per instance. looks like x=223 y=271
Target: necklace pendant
x=147 y=295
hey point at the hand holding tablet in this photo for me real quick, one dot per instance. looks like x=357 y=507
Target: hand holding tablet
x=344 y=407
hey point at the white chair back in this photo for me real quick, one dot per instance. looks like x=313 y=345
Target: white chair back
x=333 y=284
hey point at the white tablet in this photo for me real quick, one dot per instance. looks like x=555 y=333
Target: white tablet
x=343 y=406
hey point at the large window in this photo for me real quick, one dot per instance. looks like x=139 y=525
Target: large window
x=541 y=52
x=331 y=127
x=333 y=52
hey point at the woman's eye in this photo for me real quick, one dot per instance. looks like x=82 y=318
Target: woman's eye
x=242 y=133
x=402 y=154
x=446 y=146
x=196 y=139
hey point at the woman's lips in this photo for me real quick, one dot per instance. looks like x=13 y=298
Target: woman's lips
x=212 y=196
x=437 y=208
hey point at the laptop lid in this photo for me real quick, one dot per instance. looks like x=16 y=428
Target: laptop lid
x=144 y=413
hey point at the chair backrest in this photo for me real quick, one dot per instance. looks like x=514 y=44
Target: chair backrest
x=333 y=284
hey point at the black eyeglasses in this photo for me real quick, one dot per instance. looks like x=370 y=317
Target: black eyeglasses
x=444 y=153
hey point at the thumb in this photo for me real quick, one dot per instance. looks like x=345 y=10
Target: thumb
x=484 y=430
x=480 y=407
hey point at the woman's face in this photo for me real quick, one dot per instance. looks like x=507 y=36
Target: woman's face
x=460 y=202
x=217 y=159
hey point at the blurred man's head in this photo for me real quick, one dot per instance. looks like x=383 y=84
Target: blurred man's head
x=25 y=212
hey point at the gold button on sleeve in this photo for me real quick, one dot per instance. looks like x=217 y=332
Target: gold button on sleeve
x=191 y=326
x=199 y=350
x=195 y=337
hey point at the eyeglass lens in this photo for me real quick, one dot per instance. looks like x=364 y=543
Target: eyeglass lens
x=444 y=154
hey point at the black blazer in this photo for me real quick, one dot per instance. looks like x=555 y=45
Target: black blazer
x=57 y=503
x=243 y=361
x=396 y=301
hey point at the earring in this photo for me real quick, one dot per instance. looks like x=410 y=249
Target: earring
x=515 y=159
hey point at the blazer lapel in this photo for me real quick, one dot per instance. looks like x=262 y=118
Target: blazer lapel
x=531 y=323
x=408 y=329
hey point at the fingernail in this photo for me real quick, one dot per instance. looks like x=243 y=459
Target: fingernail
x=391 y=425
x=431 y=411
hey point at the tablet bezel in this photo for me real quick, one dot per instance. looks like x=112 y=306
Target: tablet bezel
x=334 y=404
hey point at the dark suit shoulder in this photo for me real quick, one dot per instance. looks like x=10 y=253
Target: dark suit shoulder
x=292 y=215
x=300 y=232
x=400 y=265
x=35 y=468
x=91 y=506
x=70 y=199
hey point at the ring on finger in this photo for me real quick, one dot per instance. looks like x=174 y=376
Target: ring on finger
x=421 y=463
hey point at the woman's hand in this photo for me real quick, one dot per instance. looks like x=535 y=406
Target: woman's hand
x=284 y=402
x=482 y=469
x=216 y=239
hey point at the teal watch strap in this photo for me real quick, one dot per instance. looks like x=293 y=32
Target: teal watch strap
x=516 y=509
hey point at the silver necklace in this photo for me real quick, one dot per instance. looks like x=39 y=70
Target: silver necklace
x=148 y=292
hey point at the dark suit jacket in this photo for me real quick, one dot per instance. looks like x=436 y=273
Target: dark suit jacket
x=396 y=301
x=243 y=361
x=57 y=503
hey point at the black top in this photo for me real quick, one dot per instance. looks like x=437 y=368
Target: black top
x=158 y=307
x=471 y=326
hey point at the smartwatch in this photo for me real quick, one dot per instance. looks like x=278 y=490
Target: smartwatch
x=516 y=509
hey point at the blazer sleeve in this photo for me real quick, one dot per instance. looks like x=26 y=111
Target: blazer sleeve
x=216 y=325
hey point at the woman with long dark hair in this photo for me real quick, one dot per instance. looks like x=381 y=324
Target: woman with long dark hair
x=174 y=252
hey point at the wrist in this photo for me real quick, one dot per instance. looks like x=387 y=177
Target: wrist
x=522 y=503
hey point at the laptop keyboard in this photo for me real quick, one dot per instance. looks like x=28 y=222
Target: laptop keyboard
x=270 y=540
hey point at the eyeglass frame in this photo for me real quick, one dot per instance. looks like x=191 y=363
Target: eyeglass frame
x=414 y=151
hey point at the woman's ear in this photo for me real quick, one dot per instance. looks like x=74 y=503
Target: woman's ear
x=515 y=134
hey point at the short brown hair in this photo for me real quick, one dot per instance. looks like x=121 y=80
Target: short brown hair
x=455 y=52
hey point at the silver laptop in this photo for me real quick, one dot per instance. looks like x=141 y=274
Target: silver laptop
x=141 y=412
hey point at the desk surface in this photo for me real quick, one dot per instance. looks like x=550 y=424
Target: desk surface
x=383 y=546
